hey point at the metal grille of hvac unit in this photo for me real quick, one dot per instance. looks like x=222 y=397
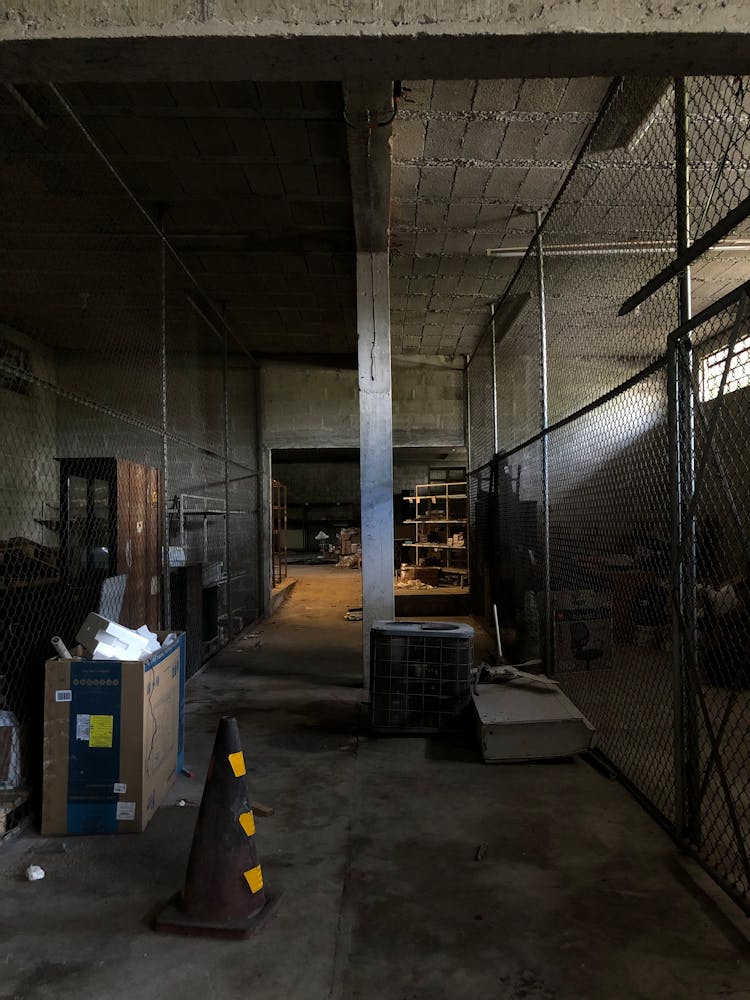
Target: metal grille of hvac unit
x=419 y=676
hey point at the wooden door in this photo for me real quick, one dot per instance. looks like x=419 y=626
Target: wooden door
x=139 y=543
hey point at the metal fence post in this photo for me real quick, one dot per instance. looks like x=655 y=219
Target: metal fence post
x=682 y=487
x=495 y=435
x=549 y=662
x=467 y=411
x=166 y=581
x=227 y=550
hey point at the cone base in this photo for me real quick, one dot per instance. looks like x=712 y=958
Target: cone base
x=174 y=920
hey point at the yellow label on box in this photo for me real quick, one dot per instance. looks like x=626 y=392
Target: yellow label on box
x=100 y=730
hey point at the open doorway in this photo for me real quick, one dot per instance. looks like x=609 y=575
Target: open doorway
x=430 y=513
x=323 y=508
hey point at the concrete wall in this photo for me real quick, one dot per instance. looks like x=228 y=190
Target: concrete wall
x=318 y=407
x=306 y=407
x=319 y=482
x=339 y=481
x=28 y=472
x=428 y=406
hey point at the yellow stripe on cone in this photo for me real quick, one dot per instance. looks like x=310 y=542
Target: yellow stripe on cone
x=247 y=822
x=254 y=879
x=237 y=763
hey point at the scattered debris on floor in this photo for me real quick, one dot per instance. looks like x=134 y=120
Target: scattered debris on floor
x=353 y=615
x=350 y=562
x=34 y=873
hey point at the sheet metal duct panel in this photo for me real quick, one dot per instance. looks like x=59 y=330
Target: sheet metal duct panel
x=517 y=722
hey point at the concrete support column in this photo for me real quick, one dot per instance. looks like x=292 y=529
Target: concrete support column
x=375 y=442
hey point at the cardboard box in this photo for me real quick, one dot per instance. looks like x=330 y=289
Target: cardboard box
x=348 y=538
x=113 y=740
x=583 y=630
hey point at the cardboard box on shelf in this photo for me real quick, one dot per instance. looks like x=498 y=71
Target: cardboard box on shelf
x=113 y=740
x=349 y=539
x=583 y=630
x=424 y=574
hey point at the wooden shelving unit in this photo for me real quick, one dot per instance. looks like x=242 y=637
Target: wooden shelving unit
x=441 y=528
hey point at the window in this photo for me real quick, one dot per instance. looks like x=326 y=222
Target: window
x=712 y=370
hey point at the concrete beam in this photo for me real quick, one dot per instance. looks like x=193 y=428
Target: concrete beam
x=328 y=40
x=368 y=112
x=375 y=442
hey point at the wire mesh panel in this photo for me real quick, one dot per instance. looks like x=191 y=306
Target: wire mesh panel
x=517 y=532
x=610 y=562
x=244 y=496
x=715 y=557
x=640 y=475
x=718 y=116
x=517 y=353
x=614 y=226
x=129 y=417
x=481 y=393
x=479 y=487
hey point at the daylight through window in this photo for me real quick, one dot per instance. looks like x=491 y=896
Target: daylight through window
x=712 y=370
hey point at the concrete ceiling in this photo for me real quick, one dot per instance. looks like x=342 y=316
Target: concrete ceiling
x=472 y=162
x=252 y=182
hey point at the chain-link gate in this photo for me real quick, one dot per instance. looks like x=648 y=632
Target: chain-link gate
x=614 y=518
x=711 y=567
x=130 y=447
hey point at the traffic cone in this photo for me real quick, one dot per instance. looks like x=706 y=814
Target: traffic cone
x=223 y=894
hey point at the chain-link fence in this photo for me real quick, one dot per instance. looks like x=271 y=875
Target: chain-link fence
x=130 y=451
x=614 y=518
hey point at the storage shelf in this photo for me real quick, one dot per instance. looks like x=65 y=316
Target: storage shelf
x=435 y=545
x=435 y=497
x=441 y=495
x=431 y=520
x=203 y=513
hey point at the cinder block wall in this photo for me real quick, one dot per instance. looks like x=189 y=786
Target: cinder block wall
x=317 y=407
x=28 y=471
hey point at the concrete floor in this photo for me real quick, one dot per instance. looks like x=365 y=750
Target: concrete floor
x=373 y=843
